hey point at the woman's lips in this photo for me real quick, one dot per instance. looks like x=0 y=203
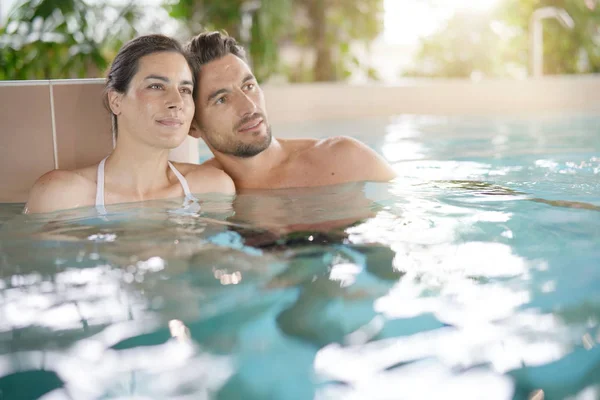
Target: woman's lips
x=174 y=122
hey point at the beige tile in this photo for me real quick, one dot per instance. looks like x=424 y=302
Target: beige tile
x=26 y=146
x=83 y=134
x=322 y=101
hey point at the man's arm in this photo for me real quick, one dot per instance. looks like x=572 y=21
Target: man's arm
x=57 y=190
x=360 y=161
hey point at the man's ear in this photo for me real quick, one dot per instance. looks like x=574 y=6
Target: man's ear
x=195 y=130
x=114 y=101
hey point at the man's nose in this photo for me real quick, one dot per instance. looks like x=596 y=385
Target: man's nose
x=247 y=105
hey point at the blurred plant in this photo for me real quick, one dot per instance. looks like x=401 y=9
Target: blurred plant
x=469 y=44
x=325 y=27
x=329 y=28
x=46 y=39
x=50 y=39
x=271 y=21
x=497 y=43
x=565 y=52
x=200 y=15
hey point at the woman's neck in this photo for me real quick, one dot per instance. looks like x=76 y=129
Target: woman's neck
x=139 y=170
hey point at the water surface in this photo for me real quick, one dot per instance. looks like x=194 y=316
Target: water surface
x=474 y=275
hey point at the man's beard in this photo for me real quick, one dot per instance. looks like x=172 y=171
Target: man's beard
x=240 y=149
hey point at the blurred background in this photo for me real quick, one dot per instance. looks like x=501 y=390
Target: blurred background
x=315 y=40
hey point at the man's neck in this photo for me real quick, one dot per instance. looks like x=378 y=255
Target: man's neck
x=246 y=172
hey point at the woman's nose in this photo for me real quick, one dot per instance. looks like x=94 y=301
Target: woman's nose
x=175 y=100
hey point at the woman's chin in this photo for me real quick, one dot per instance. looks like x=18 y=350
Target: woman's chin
x=172 y=141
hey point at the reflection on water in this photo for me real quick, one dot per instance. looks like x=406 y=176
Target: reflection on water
x=468 y=277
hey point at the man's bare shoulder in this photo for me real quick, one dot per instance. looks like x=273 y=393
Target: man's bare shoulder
x=351 y=159
x=206 y=178
x=343 y=145
x=298 y=147
x=61 y=189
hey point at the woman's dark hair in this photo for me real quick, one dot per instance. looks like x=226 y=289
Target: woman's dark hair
x=126 y=62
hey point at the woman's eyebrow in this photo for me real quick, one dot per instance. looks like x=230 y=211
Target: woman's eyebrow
x=167 y=80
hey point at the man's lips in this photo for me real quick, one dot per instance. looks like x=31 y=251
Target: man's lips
x=170 y=121
x=251 y=125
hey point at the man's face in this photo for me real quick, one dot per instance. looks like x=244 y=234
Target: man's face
x=230 y=108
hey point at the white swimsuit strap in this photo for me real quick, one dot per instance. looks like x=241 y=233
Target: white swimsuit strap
x=182 y=180
x=100 y=187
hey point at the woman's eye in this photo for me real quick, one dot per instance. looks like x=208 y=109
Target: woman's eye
x=155 y=86
x=220 y=100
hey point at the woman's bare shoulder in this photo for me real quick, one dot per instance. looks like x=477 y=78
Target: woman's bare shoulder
x=60 y=190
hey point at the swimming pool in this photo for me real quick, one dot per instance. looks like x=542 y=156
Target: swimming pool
x=474 y=275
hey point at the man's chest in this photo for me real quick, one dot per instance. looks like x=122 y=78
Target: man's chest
x=299 y=175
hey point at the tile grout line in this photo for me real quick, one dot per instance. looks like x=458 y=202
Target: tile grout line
x=54 y=142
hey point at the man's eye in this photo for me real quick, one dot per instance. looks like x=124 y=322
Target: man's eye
x=250 y=86
x=186 y=90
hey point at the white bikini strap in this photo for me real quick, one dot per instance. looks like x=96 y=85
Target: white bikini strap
x=100 y=187
x=184 y=184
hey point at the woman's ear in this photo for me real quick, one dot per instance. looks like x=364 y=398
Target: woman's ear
x=195 y=130
x=114 y=101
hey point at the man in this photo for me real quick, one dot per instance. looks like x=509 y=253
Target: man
x=232 y=119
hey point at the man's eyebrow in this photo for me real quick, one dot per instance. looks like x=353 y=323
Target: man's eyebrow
x=216 y=93
x=248 y=77
x=219 y=92
x=160 y=78
x=186 y=82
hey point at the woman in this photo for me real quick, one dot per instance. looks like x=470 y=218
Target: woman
x=150 y=95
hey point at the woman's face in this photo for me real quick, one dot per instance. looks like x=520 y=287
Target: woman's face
x=158 y=107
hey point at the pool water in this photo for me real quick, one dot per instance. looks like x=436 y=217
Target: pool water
x=474 y=275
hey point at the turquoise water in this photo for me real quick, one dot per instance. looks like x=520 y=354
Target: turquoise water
x=474 y=275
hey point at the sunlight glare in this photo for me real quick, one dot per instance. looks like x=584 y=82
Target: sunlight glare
x=405 y=21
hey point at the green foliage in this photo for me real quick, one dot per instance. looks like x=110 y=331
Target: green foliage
x=50 y=39
x=198 y=15
x=328 y=29
x=325 y=27
x=562 y=47
x=270 y=23
x=467 y=44
x=497 y=44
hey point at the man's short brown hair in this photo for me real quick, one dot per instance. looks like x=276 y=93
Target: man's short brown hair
x=210 y=46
